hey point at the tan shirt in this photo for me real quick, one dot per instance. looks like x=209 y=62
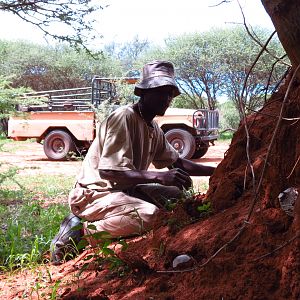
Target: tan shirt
x=125 y=142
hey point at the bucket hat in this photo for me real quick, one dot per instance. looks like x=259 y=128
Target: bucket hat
x=155 y=74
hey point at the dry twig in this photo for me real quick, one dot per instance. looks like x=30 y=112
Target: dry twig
x=243 y=110
x=220 y=3
x=278 y=248
x=258 y=41
x=246 y=221
x=293 y=168
x=272 y=142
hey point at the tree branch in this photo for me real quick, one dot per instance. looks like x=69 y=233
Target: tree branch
x=75 y=15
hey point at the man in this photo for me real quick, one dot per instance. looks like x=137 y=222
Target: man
x=115 y=191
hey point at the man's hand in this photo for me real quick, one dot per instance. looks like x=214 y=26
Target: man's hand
x=175 y=177
x=192 y=168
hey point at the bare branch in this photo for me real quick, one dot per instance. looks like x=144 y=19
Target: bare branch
x=74 y=15
x=257 y=40
x=271 y=143
x=277 y=249
x=270 y=76
x=220 y=3
x=293 y=169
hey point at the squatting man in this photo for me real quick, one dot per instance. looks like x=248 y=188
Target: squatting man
x=115 y=191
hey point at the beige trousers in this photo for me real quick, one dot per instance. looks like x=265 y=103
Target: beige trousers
x=121 y=213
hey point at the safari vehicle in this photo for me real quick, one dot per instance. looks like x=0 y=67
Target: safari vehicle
x=67 y=120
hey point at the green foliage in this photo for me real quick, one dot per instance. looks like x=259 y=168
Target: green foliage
x=9 y=96
x=237 y=57
x=27 y=226
x=185 y=101
x=103 y=110
x=215 y=63
x=208 y=65
x=125 y=93
x=8 y=174
x=104 y=250
x=226 y=136
x=128 y=53
x=195 y=57
x=54 y=290
x=204 y=208
x=27 y=233
x=47 y=186
x=201 y=185
x=45 y=68
x=229 y=116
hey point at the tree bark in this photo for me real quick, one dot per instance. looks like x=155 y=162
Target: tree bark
x=285 y=15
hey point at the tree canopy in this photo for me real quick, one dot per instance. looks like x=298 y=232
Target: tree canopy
x=215 y=63
x=210 y=66
x=46 y=68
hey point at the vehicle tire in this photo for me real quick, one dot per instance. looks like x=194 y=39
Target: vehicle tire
x=182 y=141
x=200 y=151
x=58 y=144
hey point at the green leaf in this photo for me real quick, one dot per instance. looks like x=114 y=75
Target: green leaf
x=88 y=257
x=204 y=208
x=102 y=235
x=92 y=227
x=83 y=268
x=77 y=227
x=124 y=245
x=82 y=244
x=107 y=251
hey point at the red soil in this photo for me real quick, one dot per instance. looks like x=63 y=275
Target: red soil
x=248 y=248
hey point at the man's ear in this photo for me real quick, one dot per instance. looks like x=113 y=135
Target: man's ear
x=174 y=92
x=142 y=95
x=143 y=92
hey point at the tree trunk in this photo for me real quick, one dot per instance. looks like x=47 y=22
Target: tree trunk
x=285 y=15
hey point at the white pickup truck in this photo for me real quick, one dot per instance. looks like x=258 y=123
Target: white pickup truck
x=67 y=122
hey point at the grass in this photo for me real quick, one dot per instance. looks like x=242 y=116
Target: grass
x=40 y=186
x=30 y=217
x=225 y=136
x=11 y=146
x=31 y=210
x=200 y=184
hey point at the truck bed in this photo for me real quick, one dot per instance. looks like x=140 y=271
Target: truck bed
x=35 y=124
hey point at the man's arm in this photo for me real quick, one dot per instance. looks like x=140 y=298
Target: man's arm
x=192 y=168
x=174 y=177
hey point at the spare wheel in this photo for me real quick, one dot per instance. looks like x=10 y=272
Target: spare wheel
x=201 y=150
x=182 y=141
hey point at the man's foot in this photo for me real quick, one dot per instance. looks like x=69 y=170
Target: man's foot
x=63 y=246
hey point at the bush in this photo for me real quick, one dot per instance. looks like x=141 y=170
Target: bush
x=229 y=116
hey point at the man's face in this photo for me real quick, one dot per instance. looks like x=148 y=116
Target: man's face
x=157 y=100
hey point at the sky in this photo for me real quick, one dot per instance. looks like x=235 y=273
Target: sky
x=154 y=20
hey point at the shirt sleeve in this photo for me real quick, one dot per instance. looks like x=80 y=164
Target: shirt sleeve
x=117 y=152
x=165 y=155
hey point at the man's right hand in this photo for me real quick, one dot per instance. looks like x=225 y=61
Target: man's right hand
x=175 y=177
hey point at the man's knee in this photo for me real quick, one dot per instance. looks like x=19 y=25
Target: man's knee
x=148 y=214
x=135 y=222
